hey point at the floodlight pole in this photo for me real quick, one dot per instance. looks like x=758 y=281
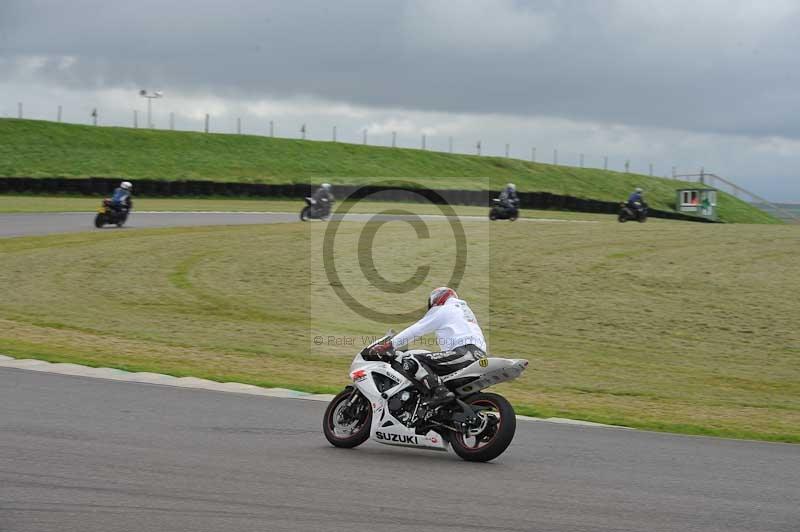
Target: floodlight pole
x=150 y=97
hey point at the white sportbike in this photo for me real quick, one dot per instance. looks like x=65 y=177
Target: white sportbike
x=386 y=404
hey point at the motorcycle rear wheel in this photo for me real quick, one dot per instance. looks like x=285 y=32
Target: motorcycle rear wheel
x=351 y=434
x=495 y=437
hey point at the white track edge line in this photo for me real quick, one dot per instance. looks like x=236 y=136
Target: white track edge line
x=205 y=384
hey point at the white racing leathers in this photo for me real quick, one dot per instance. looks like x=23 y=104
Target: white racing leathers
x=458 y=335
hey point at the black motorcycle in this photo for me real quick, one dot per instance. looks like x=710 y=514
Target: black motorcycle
x=503 y=210
x=316 y=210
x=637 y=212
x=108 y=214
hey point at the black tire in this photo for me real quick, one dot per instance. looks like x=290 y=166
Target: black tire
x=360 y=429
x=492 y=215
x=99 y=220
x=513 y=217
x=622 y=218
x=643 y=219
x=502 y=430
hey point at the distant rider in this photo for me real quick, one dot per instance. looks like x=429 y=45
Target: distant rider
x=636 y=200
x=323 y=196
x=508 y=197
x=457 y=332
x=121 y=198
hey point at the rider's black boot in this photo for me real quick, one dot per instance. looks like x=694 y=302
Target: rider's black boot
x=440 y=395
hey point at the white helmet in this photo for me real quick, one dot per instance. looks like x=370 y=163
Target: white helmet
x=440 y=295
x=126 y=185
x=512 y=186
x=639 y=190
x=326 y=186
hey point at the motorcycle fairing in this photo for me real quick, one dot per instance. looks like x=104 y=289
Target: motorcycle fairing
x=487 y=372
x=386 y=428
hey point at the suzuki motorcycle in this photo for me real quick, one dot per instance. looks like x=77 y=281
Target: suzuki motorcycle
x=386 y=404
x=503 y=211
x=638 y=213
x=106 y=214
x=316 y=210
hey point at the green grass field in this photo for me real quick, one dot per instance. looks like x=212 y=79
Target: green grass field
x=673 y=326
x=46 y=149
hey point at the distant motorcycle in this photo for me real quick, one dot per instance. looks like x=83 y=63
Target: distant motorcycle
x=503 y=210
x=108 y=215
x=316 y=210
x=384 y=404
x=638 y=212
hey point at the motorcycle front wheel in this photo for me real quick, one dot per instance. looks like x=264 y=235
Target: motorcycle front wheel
x=493 y=436
x=347 y=425
x=99 y=220
x=622 y=218
x=304 y=214
x=492 y=215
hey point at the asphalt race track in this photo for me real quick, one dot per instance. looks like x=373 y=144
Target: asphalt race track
x=93 y=455
x=62 y=222
x=72 y=222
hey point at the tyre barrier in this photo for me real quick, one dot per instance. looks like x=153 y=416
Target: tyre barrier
x=103 y=186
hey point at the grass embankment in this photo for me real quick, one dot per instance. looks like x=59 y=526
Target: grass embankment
x=47 y=149
x=678 y=327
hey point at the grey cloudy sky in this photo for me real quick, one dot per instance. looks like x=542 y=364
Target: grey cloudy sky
x=686 y=83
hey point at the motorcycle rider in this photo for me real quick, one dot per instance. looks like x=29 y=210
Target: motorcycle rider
x=324 y=197
x=508 y=197
x=457 y=332
x=636 y=200
x=121 y=198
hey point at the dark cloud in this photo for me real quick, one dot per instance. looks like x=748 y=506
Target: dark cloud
x=728 y=67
